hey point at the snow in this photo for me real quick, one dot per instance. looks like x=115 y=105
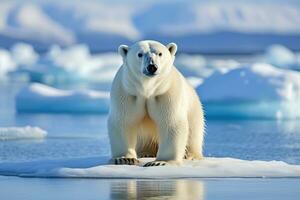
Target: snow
x=42 y=98
x=257 y=90
x=16 y=133
x=252 y=83
x=97 y=167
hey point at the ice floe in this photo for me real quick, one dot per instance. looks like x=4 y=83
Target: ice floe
x=258 y=90
x=27 y=132
x=42 y=98
x=97 y=167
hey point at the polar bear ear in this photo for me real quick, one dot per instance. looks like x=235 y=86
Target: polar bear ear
x=123 y=50
x=172 y=47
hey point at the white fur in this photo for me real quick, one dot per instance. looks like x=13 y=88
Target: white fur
x=159 y=115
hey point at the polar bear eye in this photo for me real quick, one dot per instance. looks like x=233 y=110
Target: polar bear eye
x=140 y=55
x=160 y=54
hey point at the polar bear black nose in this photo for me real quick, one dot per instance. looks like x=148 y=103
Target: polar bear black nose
x=152 y=68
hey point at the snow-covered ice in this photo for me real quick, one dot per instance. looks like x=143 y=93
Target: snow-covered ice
x=281 y=56
x=252 y=83
x=97 y=167
x=42 y=98
x=74 y=64
x=258 y=90
x=198 y=65
x=77 y=60
x=27 y=132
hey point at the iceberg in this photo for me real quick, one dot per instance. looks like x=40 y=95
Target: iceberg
x=27 y=132
x=44 y=72
x=280 y=56
x=97 y=167
x=72 y=65
x=47 y=70
x=72 y=58
x=198 y=66
x=41 y=98
x=77 y=61
x=255 y=91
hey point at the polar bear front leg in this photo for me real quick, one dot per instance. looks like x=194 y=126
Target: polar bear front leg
x=123 y=142
x=173 y=135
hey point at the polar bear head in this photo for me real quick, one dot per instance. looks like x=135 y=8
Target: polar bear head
x=148 y=58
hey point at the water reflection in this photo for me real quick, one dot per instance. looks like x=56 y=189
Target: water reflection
x=160 y=189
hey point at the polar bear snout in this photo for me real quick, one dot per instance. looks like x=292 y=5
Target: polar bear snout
x=151 y=69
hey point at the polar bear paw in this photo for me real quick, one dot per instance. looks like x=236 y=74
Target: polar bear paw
x=126 y=161
x=155 y=163
x=147 y=155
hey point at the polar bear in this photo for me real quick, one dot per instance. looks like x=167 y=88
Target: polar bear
x=154 y=112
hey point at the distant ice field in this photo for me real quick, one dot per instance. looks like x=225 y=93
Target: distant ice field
x=72 y=80
x=62 y=98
